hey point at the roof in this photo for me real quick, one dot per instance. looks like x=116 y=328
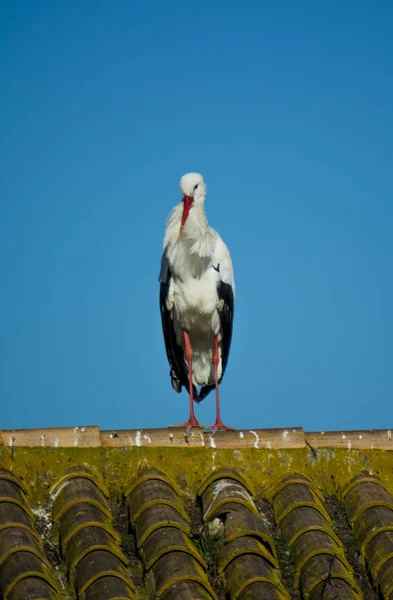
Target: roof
x=272 y=514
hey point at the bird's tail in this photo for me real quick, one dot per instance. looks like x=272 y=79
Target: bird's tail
x=204 y=391
x=196 y=394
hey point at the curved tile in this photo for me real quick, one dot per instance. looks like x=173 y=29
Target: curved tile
x=81 y=515
x=87 y=540
x=246 y=523
x=224 y=491
x=294 y=478
x=303 y=519
x=18 y=539
x=14 y=515
x=314 y=543
x=224 y=473
x=240 y=546
x=317 y=552
x=176 y=567
x=151 y=474
x=186 y=590
x=227 y=508
x=370 y=511
x=80 y=473
x=158 y=516
x=261 y=590
x=8 y=476
x=378 y=551
x=109 y=588
x=99 y=564
x=296 y=495
x=334 y=589
x=364 y=477
x=323 y=568
x=153 y=492
x=372 y=521
x=19 y=566
x=165 y=540
x=12 y=492
x=89 y=544
x=364 y=495
x=250 y=568
x=79 y=490
x=385 y=580
x=32 y=588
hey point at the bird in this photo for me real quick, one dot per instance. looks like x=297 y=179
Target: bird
x=197 y=292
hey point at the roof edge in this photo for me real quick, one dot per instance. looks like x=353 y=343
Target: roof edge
x=280 y=438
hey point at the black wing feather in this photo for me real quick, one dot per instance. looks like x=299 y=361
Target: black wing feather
x=175 y=353
x=225 y=293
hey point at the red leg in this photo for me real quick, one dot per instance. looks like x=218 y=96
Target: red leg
x=218 y=424
x=192 y=421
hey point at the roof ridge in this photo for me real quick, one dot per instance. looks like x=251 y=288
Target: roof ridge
x=278 y=438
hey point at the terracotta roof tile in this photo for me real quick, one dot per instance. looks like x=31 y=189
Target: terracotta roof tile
x=88 y=542
x=317 y=553
x=22 y=556
x=267 y=514
x=370 y=511
x=244 y=559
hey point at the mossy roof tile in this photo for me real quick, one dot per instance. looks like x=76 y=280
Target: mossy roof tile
x=70 y=483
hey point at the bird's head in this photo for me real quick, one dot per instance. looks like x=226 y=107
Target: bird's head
x=193 y=189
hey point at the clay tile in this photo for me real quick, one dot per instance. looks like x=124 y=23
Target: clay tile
x=149 y=474
x=385 y=580
x=16 y=539
x=109 y=588
x=88 y=540
x=186 y=590
x=295 y=495
x=364 y=477
x=315 y=543
x=153 y=492
x=14 y=515
x=33 y=588
x=334 y=589
x=82 y=515
x=165 y=540
x=98 y=564
x=75 y=491
x=364 y=495
x=324 y=567
x=262 y=589
x=155 y=517
x=303 y=519
x=223 y=491
x=378 y=551
x=7 y=475
x=245 y=523
x=79 y=472
x=250 y=568
x=371 y=522
x=19 y=566
x=12 y=492
x=224 y=473
x=294 y=478
x=176 y=567
x=240 y=546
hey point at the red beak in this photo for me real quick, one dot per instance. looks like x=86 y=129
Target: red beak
x=187 y=203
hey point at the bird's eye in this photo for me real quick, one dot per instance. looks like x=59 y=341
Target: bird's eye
x=196 y=187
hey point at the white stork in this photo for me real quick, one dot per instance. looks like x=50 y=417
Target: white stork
x=197 y=291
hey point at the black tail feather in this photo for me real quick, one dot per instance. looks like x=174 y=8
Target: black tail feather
x=204 y=391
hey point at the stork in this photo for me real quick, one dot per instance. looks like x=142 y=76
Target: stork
x=197 y=291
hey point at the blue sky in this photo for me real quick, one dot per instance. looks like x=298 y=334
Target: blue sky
x=286 y=109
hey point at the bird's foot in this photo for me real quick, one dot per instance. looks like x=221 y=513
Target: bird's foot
x=219 y=426
x=192 y=422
